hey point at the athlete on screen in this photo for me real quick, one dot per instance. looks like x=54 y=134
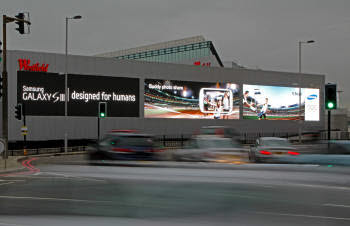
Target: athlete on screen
x=226 y=103
x=245 y=101
x=264 y=109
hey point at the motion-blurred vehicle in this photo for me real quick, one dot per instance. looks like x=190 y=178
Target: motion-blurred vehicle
x=220 y=131
x=271 y=149
x=125 y=145
x=328 y=147
x=210 y=148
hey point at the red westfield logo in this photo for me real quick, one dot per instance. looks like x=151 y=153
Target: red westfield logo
x=24 y=65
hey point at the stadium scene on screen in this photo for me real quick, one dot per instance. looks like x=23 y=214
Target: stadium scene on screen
x=272 y=103
x=190 y=100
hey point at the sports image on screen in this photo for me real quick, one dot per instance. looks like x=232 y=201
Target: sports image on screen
x=212 y=100
x=190 y=100
x=272 y=103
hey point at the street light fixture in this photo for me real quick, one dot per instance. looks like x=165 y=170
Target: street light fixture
x=300 y=44
x=77 y=17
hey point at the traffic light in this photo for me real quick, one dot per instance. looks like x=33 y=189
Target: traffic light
x=18 y=111
x=20 y=24
x=331 y=96
x=102 y=109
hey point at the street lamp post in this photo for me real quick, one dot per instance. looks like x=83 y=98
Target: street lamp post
x=300 y=122
x=66 y=83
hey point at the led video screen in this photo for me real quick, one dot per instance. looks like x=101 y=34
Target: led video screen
x=190 y=100
x=43 y=94
x=280 y=103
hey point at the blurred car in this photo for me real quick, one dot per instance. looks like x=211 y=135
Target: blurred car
x=209 y=148
x=338 y=147
x=124 y=145
x=220 y=131
x=271 y=149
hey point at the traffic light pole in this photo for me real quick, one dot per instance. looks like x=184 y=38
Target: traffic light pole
x=98 y=128
x=5 y=20
x=329 y=125
x=5 y=87
x=24 y=125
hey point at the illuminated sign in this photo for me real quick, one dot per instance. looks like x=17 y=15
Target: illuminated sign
x=44 y=94
x=312 y=104
x=190 y=100
x=280 y=103
x=198 y=63
x=24 y=65
x=271 y=102
x=41 y=92
x=86 y=91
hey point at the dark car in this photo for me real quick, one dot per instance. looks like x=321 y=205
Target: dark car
x=271 y=149
x=124 y=145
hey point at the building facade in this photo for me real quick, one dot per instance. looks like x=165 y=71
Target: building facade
x=193 y=51
x=159 y=98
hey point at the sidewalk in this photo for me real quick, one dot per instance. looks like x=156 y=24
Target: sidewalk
x=10 y=164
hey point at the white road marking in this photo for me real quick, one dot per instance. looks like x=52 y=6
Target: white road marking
x=9 y=224
x=321 y=186
x=52 y=199
x=65 y=176
x=7 y=183
x=336 y=205
x=304 y=215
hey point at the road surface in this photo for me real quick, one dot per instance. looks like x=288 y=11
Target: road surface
x=52 y=194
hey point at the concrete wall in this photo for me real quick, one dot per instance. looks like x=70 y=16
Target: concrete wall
x=45 y=128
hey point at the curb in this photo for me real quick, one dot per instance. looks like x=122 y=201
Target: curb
x=12 y=165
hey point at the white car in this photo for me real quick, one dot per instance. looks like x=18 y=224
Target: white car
x=209 y=148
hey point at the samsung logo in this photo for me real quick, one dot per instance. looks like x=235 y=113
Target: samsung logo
x=312 y=97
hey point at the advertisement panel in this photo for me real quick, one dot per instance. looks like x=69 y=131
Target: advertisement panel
x=190 y=100
x=44 y=95
x=120 y=94
x=280 y=103
x=270 y=102
x=41 y=93
x=312 y=104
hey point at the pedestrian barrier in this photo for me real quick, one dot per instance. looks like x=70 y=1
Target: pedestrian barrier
x=40 y=151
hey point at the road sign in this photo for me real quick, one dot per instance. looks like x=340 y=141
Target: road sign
x=24 y=130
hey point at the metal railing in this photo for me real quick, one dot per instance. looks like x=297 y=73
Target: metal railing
x=40 y=151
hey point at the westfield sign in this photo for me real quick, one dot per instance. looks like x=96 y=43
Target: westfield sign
x=24 y=65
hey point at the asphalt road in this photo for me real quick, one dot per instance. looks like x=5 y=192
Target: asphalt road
x=263 y=194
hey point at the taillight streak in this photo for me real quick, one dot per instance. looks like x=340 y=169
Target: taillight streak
x=293 y=153
x=265 y=152
x=122 y=150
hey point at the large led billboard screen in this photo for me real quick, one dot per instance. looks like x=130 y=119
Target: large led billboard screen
x=43 y=94
x=280 y=103
x=191 y=100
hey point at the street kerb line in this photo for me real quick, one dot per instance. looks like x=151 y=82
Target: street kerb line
x=336 y=205
x=9 y=224
x=53 y=199
x=27 y=164
x=7 y=183
x=304 y=215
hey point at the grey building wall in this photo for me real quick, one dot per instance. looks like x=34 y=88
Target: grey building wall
x=54 y=127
